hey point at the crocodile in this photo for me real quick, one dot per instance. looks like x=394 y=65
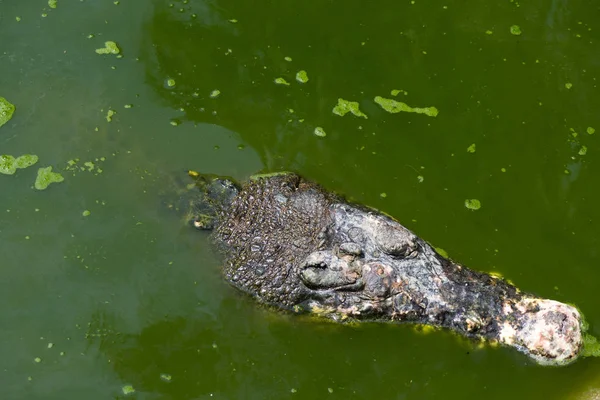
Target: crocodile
x=294 y=245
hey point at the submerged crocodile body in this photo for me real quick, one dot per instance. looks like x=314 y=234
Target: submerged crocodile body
x=292 y=244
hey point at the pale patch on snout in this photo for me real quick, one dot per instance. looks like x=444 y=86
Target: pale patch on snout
x=546 y=330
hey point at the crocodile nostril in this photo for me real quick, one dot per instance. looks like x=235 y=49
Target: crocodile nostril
x=320 y=265
x=350 y=249
x=319 y=260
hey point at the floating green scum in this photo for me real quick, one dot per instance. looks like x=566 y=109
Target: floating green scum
x=302 y=76
x=9 y=164
x=109 y=48
x=393 y=106
x=281 y=81
x=591 y=346
x=473 y=204
x=6 y=111
x=343 y=107
x=45 y=177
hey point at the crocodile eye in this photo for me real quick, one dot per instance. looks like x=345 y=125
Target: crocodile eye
x=395 y=241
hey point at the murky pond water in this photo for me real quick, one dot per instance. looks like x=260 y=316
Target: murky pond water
x=126 y=301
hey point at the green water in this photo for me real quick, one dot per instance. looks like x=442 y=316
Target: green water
x=91 y=304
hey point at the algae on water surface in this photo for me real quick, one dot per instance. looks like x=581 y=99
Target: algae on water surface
x=6 y=111
x=281 y=81
x=320 y=132
x=591 y=346
x=9 y=164
x=302 y=76
x=473 y=204
x=393 y=106
x=45 y=177
x=128 y=389
x=26 y=160
x=110 y=47
x=343 y=107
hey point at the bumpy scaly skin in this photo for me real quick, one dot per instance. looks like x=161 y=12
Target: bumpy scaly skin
x=291 y=244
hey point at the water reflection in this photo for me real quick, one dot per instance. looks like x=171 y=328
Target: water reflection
x=203 y=47
x=190 y=50
x=206 y=355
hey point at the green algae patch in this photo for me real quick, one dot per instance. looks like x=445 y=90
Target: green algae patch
x=396 y=92
x=109 y=48
x=568 y=85
x=583 y=151
x=6 y=111
x=343 y=107
x=45 y=177
x=86 y=213
x=473 y=204
x=9 y=164
x=170 y=82
x=281 y=81
x=441 y=252
x=392 y=106
x=320 y=132
x=257 y=177
x=302 y=76
x=471 y=148
x=166 y=377
x=26 y=160
x=591 y=347
x=215 y=93
x=75 y=167
x=515 y=30
x=127 y=390
x=110 y=114
x=590 y=130
x=52 y=3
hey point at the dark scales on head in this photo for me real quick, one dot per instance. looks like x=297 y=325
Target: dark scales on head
x=268 y=229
